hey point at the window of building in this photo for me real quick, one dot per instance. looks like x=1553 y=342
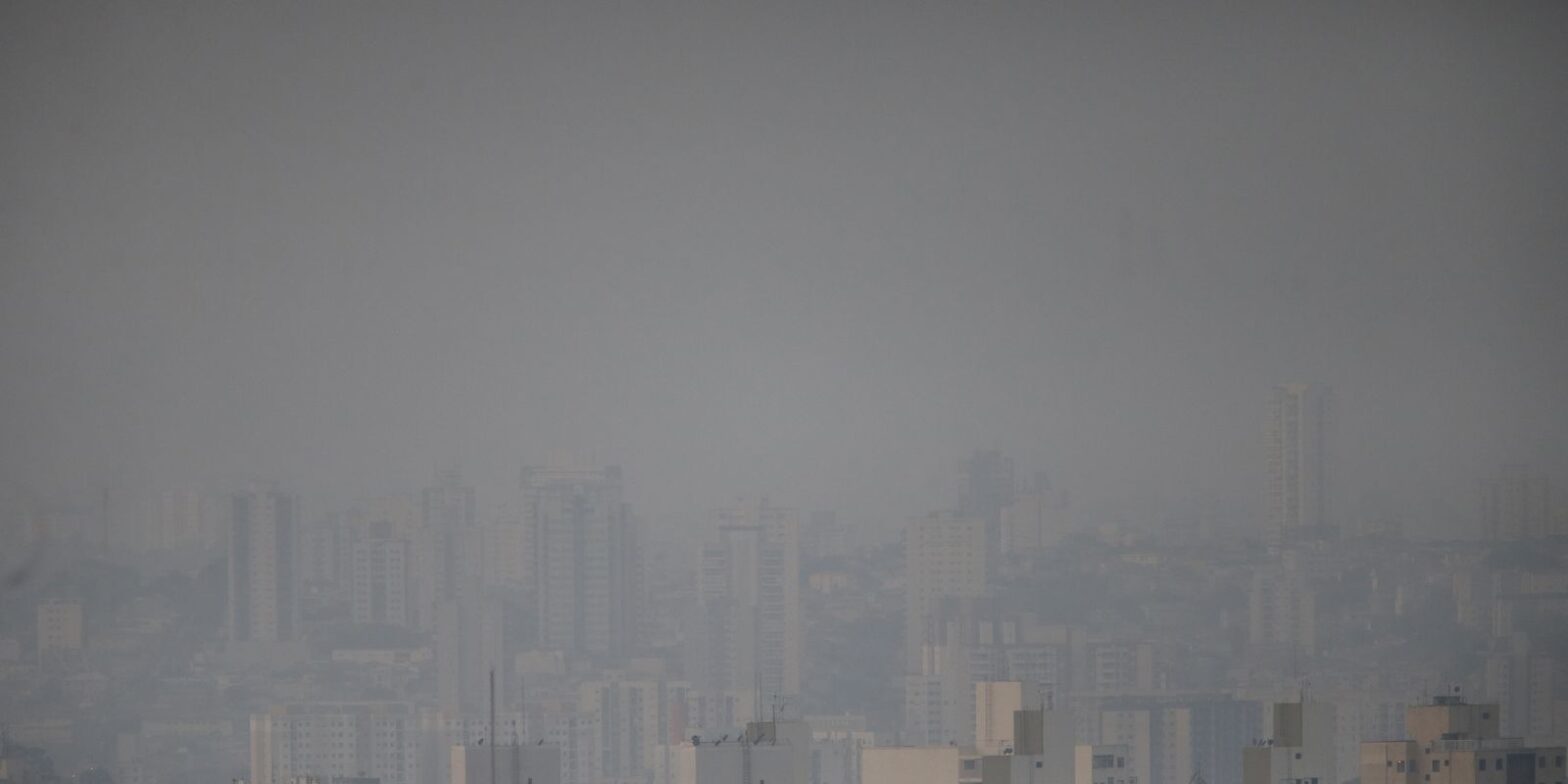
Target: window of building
x=1400 y=768
x=1436 y=765
x=1480 y=764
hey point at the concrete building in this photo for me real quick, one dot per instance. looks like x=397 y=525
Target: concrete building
x=1298 y=466
x=1103 y=764
x=263 y=605
x=447 y=548
x=910 y=765
x=836 y=743
x=59 y=628
x=1012 y=769
x=381 y=581
x=945 y=556
x=1516 y=504
x=1523 y=681
x=379 y=739
x=181 y=521
x=1282 y=610
x=1171 y=738
x=988 y=489
x=505 y=763
x=1454 y=742
x=996 y=703
x=1301 y=747
x=1037 y=518
x=725 y=761
x=632 y=714
x=441 y=731
x=746 y=630
x=469 y=645
x=585 y=562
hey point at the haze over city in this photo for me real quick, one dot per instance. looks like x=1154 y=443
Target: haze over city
x=1245 y=305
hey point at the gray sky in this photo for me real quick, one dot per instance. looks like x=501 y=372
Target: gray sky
x=816 y=250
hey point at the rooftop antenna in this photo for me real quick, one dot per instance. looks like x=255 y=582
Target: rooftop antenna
x=491 y=733
x=756 y=695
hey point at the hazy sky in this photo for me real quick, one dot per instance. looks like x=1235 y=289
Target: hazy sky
x=816 y=250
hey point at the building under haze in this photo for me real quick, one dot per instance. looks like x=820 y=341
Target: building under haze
x=747 y=631
x=944 y=556
x=263 y=604
x=1297 y=441
x=1301 y=747
x=1455 y=742
x=381 y=579
x=585 y=575
x=988 y=489
x=59 y=628
x=327 y=739
x=1516 y=504
x=446 y=558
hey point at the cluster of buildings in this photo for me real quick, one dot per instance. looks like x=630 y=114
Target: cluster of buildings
x=418 y=640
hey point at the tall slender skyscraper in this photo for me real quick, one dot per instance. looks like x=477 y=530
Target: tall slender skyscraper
x=1297 y=441
x=585 y=567
x=263 y=606
x=747 y=633
x=447 y=547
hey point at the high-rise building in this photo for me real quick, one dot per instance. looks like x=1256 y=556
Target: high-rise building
x=585 y=572
x=1297 y=440
x=263 y=606
x=1282 y=610
x=381 y=580
x=443 y=732
x=747 y=631
x=944 y=556
x=59 y=628
x=988 y=488
x=469 y=644
x=180 y=521
x=379 y=739
x=632 y=714
x=1516 y=504
x=1522 y=678
x=448 y=547
x=1174 y=737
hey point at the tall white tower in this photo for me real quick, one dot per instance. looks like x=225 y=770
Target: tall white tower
x=1297 y=439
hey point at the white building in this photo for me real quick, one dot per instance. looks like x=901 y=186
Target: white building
x=379 y=739
x=745 y=633
x=1297 y=436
